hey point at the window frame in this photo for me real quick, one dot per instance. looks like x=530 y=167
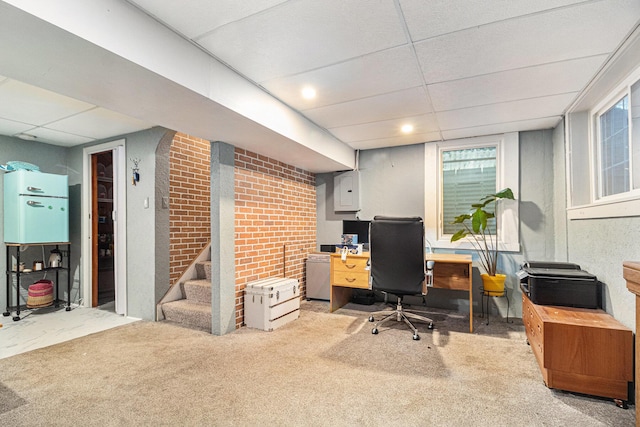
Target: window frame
x=618 y=205
x=597 y=149
x=507 y=175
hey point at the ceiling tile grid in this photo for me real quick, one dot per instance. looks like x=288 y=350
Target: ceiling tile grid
x=374 y=74
x=451 y=68
x=304 y=35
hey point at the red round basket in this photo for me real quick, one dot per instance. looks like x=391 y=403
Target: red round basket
x=40 y=294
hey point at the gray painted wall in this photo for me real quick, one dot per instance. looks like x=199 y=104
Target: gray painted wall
x=144 y=285
x=560 y=193
x=600 y=246
x=392 y=183
x=223 y=273
x=147 y=228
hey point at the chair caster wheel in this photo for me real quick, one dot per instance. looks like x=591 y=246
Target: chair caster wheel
x=371 y=319
x=416 y=337
x=430 y=326
x=374 y=331
x=621 y=403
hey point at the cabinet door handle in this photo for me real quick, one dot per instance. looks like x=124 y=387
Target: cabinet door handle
x=350 y=280
x=350 y=265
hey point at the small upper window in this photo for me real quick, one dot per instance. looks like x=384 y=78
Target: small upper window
x=614 y=149
x=618 y=145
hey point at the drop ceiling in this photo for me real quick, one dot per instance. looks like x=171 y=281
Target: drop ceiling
x=451 y=68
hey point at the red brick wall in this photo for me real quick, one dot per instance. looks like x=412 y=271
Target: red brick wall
x=275 y=214
x=275 y=221
x=189 y=201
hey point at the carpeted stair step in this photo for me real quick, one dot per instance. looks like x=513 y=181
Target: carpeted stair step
x=203 y=270
x=198 y=290
x=194 y=315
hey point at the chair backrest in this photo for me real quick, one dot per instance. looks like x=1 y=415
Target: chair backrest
x=397 y=255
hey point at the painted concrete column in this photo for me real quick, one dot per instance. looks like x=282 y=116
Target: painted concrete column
x=223 y=280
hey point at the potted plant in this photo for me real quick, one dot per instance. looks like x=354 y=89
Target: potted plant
x=476 y=226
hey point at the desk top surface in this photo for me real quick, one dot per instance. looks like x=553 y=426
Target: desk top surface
x=459 y=258
x=451 y=258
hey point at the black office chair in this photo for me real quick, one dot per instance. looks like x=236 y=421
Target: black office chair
x=398 y=265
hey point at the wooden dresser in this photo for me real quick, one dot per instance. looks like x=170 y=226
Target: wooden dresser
x=580 y=350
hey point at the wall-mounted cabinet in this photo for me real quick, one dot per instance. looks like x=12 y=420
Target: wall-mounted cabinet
x=346 y=191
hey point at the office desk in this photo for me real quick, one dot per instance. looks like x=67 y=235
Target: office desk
x=451 y=271
x=454 y=271
x=346 y=276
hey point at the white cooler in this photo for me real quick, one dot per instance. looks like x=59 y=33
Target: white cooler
x=271 y=303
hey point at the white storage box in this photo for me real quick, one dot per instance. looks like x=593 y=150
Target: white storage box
x=271 y=303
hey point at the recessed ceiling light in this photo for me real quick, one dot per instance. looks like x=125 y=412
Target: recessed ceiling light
x=27 y=137
x=407 y=128
x=308 y=92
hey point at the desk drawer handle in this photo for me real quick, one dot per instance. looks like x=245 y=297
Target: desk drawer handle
x=350 y=280
x=350 y=265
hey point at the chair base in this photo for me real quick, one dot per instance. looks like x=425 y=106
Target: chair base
x=401 y=315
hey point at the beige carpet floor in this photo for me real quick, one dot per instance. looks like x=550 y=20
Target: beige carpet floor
x=320 y=370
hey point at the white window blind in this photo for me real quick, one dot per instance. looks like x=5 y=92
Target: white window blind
x=467 y=175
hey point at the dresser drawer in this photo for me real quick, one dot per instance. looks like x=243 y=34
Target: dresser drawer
x=351 y=273
x=534 y=328
x=351 y=279
x=350 y=265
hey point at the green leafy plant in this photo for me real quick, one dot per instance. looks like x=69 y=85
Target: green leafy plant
x=475 y=225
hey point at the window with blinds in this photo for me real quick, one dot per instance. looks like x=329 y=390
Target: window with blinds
x=467 y=176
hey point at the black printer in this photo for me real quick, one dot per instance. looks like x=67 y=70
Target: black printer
x=559 y=283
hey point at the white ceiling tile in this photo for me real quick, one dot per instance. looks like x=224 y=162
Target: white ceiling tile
x=28 y=104
x=55 y=137
x=385 y=128
x=396 y=105
x=9 y=127
x=202 y=16
x=493 y=67
x=493 y=129
x=436 y=17
x=559 y=35
x=306 y=34
x=522 y=83
x=99 y=123
x=396 y=141
x=378 y=73
x=514 y=111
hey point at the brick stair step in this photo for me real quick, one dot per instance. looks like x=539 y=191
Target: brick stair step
x=188 y=313
x=197 y=290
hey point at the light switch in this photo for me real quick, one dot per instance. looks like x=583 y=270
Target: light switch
x=146 y=203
